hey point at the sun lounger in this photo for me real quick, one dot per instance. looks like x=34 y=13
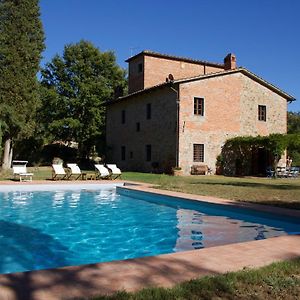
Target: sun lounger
x=282 y=172
x=58 y=172
x=20 y=170
x=115 y=171
x=294 y=172
x=74 y=171
x=102 y=172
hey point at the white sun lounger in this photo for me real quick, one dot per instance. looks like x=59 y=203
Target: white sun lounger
x=115 y=171
x=74 y=171
x=20 y=170
x=58 y=172
x=102 y=172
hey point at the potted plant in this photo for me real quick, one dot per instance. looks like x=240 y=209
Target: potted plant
x=177 y=171
x=219 y=165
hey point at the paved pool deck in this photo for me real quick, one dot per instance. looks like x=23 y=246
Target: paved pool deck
x=163 y=270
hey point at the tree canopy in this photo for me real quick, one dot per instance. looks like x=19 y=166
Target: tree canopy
x=294 y=128
x=293 y=122
x=21 y=45
x=75 y=87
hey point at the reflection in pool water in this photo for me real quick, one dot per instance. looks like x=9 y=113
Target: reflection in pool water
x=48 y=229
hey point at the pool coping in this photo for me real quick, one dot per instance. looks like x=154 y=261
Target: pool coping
x=162 y=270
x=151 y=188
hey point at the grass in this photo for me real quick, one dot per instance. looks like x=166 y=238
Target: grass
x=276 y=281
x=277 y=192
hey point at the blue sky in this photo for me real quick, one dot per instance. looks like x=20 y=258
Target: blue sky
x=263 y=34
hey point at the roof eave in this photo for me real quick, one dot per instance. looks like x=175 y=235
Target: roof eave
x=245 y=72
x=173 y=57
x=140 y=92
x=267 y=84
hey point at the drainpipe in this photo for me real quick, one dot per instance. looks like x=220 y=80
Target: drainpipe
x=177 y=122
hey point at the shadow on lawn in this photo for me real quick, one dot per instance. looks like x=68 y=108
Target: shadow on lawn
x=278 y=186
x=278 y=203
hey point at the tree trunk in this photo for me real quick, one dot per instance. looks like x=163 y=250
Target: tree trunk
x=7 y=156
x=276 y=161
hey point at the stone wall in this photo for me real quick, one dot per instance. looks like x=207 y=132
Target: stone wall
x=254 y=94
x=230 y=110
x=159 y=131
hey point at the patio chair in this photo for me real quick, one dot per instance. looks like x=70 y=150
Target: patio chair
x=294 y=172
x=20 y=170
x=58 y=172
x=115 y=171
x=74 y=170
x=270 y=172
x=102 y=172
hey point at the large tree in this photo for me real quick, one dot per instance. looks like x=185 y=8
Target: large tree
x=294 y=127
x=76 y=85
x=293 y=122
x=21 y=45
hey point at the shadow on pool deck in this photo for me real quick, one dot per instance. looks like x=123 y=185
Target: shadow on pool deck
x=89 y=280
x=165 y=270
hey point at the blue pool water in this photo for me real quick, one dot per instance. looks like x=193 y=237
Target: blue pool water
x=49 y=229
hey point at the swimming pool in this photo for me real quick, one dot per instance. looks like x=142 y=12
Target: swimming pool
x=68 y=225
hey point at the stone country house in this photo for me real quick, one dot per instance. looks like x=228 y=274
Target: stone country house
x=179 y=112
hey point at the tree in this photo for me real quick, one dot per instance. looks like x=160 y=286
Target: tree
x=21 y=45
x=293 y=122
x=76 y=87
x=294 y=128
x=0 y=137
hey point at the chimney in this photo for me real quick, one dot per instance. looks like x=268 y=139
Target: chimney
x=230 y=62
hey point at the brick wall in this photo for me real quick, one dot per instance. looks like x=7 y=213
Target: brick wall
x=231 y=105
x=159 y=131
x=157 y=69
x=135 y=78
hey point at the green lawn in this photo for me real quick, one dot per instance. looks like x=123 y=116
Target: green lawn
x=276 y=281
x=279 y=192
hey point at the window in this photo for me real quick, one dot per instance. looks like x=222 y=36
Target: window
x=123 y=153
x=148 y=152
x=123 y=116
x=199 y=106
x=148 y=111
x=131 y=154
x=262 y=113
x=140 y=68
x=199 y=152
x=138 y=126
